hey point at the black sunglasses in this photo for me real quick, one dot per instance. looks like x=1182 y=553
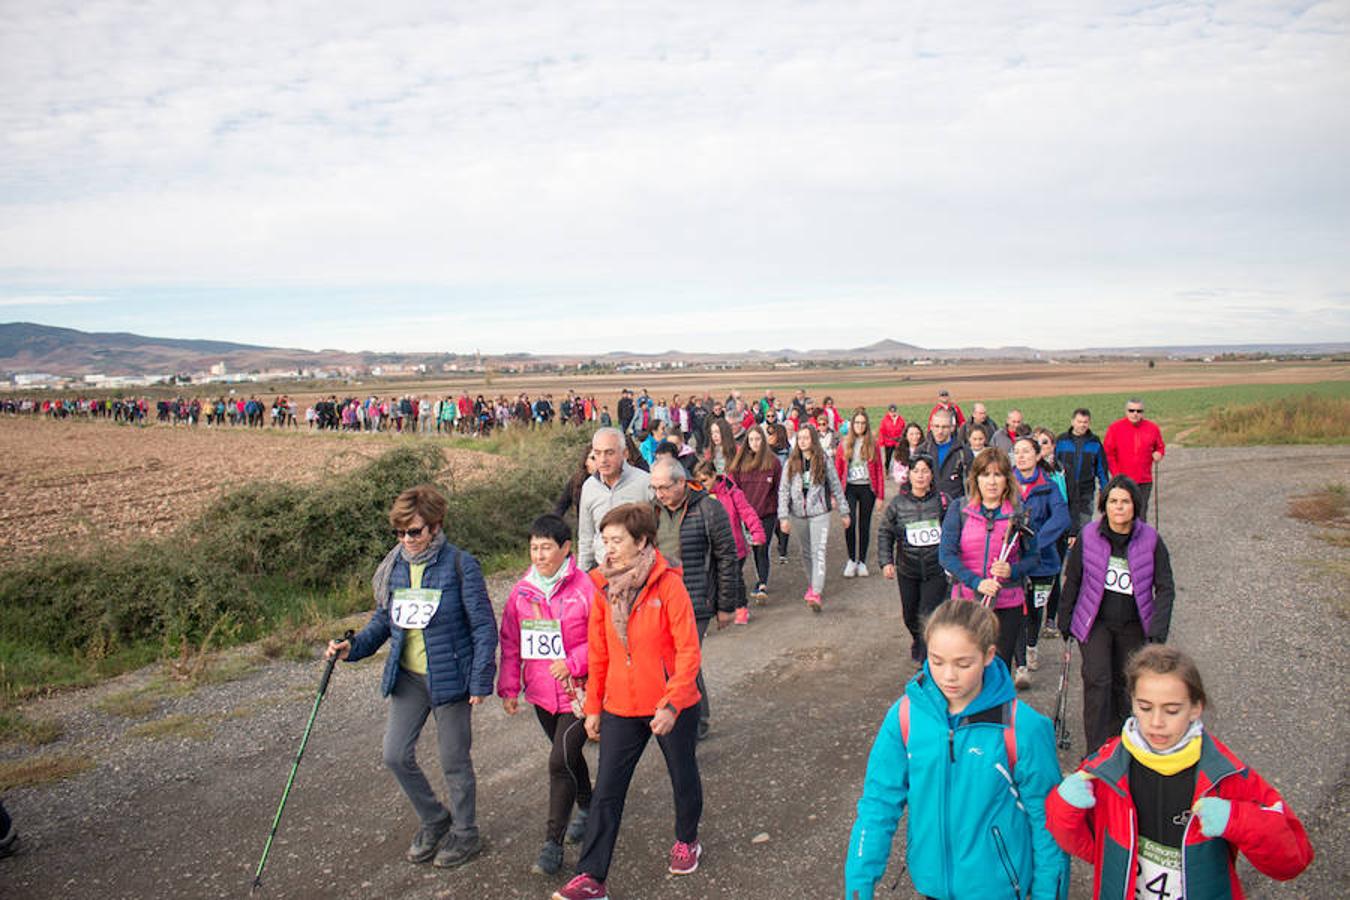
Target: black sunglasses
x=413 y=533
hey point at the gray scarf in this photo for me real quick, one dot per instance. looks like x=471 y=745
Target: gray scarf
x=380 y=582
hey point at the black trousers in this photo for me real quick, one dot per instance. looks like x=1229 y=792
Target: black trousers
x=704 y=705
x=861 y=501
x=1106 y=704
x=1030 y=635
x=1145 y=493
x=569 y=780
x=918 y=598
x=622 y=740
x=1009 y=630
x=761 y=552
x=782 y=538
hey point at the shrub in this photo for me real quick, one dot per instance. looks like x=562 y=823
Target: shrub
x=1291 y=420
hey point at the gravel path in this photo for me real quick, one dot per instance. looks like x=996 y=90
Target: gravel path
x=797 y=700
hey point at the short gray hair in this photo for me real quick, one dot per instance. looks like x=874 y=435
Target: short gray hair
x=607 y=431
x=942 y=414
x=672 y=467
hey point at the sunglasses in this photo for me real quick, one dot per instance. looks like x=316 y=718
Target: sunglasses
x=413 y=533
x=1139 y=410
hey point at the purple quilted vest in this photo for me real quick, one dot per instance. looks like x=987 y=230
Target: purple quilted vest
x=1096 y=557
x=979 y=549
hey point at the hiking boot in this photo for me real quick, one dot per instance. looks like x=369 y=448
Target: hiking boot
x=583 y=887
x=1033 y=659
x=684 y=857
x=813 y=601
x=425 y=842
x=1022 y=678
x=760 y=593
x=576 y=829
x=550 y=859
x=782 y=559
x=743 y=616
x=850 y=569
x=862 y=570
x=457 y=851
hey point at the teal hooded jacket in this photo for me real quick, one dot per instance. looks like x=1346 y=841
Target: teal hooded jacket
x=976 y=824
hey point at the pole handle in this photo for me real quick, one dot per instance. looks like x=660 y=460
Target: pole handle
x=328 y=669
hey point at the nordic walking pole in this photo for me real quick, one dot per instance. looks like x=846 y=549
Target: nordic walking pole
x=295 y=766
x=1157 y=497
x=1062 y=699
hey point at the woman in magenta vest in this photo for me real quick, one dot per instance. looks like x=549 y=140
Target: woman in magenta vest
x=973 y=538
x=1117 y=596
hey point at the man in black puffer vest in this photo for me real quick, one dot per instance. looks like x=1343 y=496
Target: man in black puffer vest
x=693 y=533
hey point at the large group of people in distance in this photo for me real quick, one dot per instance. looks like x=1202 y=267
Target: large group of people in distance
x=998 y=536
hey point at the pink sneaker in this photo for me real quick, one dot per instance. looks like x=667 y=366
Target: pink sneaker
x=583 y=887
x=684 y=857
x=813 y=601
x=743 y=616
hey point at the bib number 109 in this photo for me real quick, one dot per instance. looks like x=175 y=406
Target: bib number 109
x=541 y=639
x=923 y=534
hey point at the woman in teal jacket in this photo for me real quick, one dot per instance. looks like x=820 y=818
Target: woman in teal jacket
x=974 y=767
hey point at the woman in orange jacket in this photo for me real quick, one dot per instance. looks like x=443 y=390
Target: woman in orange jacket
x=644 y=659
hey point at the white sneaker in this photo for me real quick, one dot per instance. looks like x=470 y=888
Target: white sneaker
x=1022 y=679
x=862 y=570
x=1033 y=658
x=851 y=569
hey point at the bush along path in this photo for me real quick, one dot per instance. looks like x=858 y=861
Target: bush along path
x=184 y=785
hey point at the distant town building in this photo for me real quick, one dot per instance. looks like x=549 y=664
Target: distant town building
x=219 y=370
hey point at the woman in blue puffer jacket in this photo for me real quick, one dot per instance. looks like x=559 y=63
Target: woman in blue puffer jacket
x=973 y=766
x=1048 y=516
x=432 y=605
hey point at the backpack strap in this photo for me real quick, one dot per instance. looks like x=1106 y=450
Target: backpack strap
x=904 y=719
x=1010 y=736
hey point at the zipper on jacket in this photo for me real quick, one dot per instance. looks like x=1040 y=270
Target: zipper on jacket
x=946 y=803
x=1187 y=830
x=1134 y=859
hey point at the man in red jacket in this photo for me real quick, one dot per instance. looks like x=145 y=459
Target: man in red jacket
x=1133 y=444
x=944 y=401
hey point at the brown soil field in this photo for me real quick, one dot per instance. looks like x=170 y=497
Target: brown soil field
x=875 y=386
x=75 y=481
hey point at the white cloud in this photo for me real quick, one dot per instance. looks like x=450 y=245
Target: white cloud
x=40 y=300
x=973 y=153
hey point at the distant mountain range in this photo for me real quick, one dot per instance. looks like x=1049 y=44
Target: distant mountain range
x=29 y=348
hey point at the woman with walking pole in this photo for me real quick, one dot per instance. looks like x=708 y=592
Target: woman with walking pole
x=431 y=604
x=1118 y=593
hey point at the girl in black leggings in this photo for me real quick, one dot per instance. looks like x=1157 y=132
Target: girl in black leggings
x=857 y=460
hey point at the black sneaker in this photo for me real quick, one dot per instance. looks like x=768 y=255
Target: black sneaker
x=457 y=851
x=426 y=841
x=704 y=726
x=576 y=829
x=9 y=844
x=550 y=859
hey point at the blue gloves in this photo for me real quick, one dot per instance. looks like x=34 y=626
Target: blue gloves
x=1076 y=791
x=1213 y=813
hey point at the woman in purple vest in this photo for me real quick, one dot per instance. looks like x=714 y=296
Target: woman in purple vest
x=1117 y=596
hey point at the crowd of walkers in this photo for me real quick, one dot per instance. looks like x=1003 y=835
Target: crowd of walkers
x=475 y=415
x=998 y=537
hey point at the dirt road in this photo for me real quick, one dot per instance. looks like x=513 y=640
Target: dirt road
x=796 y=702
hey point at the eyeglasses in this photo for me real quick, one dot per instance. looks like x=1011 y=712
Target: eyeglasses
x=662 y=487
x=413 y=533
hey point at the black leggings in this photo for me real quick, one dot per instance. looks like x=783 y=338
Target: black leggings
x=918 y=598
x=782 y=538
x=761 y=551
x=861 y=500
x=1030 y=635
x=568 y=778
x=1009 y=630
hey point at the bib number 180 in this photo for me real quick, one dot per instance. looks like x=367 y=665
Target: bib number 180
x=541 y=639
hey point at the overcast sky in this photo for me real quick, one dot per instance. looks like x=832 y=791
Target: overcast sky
x=708 y=176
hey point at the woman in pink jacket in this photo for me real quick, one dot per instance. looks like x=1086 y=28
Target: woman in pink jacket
x=743 y=518
x=543 y=641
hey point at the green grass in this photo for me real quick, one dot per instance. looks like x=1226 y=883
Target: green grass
x=197 y=728
x=1306 y=419
x=16 y=728
x=1174 y=410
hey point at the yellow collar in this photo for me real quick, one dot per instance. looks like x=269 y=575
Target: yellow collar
x=1181 y=757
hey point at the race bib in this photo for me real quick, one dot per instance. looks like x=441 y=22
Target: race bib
x=857 y=472
x=1040 y=595
x=413 y=608
x=541 y=639
x=923 y=534
x=1118 y=576
x=1158 y=872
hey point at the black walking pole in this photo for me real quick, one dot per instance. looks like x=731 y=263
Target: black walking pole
x=1157 y=497
x=295 y=766
x=1062 y=699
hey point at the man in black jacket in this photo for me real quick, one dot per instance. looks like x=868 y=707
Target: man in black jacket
x=1080 y=452
x=943 y=448
x=625 y=410
x=694 y=534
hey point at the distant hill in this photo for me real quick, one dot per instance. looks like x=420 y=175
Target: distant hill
x=28 y=347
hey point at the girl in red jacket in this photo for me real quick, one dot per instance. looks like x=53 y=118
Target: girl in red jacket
x=1163 y=810
x=857 y=461
x=743 y=519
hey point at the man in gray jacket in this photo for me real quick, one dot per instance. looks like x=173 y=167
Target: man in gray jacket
x=614 y=483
